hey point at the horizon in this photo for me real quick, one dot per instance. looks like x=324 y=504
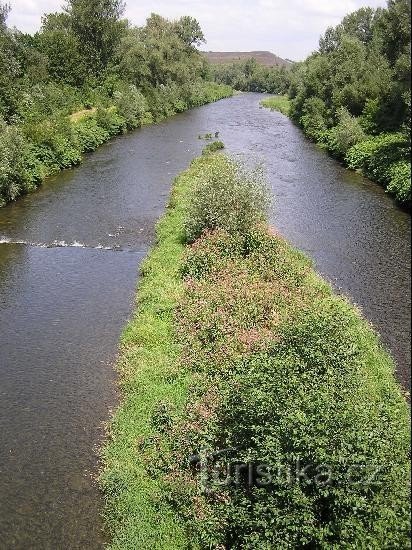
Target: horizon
x=307 y=21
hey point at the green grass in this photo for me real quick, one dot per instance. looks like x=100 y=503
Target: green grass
x=238 y=344
x=137 y=513
x=279 y=103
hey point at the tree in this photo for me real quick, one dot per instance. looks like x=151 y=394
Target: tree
x=4 y=12
x=66 y=62
x=97 y=26
x=189 y=31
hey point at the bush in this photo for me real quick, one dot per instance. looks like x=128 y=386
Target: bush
x=225 y=196
x=131 y=106
x=313 y=120
x=375 y=156
x=213 y=147
x=110 y=120
x=347 y=133
x=14 y=151
x=89 y=134
x=290 y=380
x=400 y=181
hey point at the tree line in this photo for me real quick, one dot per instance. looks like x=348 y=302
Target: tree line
x=87 y=59
x=353 y=94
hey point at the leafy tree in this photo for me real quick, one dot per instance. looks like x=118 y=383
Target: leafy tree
x=63 y=50
x=97 y=26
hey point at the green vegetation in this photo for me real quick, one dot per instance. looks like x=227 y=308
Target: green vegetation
x=259 y=409
x=279 y=103
x=353 y=95
x=88 y=75
x=251 y=76
x=213 y=147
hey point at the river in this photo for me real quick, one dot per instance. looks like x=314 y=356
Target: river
x=69 y=260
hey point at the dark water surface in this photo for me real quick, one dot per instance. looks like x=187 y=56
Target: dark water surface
x=69 y=259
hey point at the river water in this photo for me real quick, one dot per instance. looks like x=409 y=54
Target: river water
x=69 y=260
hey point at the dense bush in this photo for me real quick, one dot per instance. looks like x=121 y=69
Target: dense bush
x=400 y=181
x=131 y=105
x=314 y=118
x=299 y=428
x=226 y=195
x=14 y=152
x=294 y=381
x=376 y=155
x=347 y=133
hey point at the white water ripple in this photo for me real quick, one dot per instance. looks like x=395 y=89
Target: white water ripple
x=56 y=244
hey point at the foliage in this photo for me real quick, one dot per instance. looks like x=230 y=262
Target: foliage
x=314 y=118
x=14 y=179
x=88 y=75
x=400 y=181
x=277 y=103
x=251 y=76
x=347 y=133
x=226 y=195
x=213 y=147
x=376 y=155
x=239 y=355
x=358 y=84
x=131 y=105
x=276 y=352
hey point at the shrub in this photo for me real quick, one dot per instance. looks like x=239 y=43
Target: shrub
x=347 y=133
x=291 y=379
x=400 y=181
x=225 y=196
x=213 y=147
x=375 y=156
x=313 y=119
x=110 y=120
x=14 y=151
x=89 y=134
x=131 y=106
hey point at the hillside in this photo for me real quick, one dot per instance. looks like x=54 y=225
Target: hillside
x=268 y=59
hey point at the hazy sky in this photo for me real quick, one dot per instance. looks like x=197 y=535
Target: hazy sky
x=289 y=28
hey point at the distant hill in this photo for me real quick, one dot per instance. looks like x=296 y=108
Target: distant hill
x=268 y=59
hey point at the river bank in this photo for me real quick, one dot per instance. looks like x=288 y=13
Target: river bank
x=383 y=158
x=224 y=324
x=33 y=152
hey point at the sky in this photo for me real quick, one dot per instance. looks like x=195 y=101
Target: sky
x=290 y=28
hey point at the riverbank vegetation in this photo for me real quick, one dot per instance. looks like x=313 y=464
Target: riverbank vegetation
x=251 y=76
x=353 y=95
x=86 y=76
x=259 y=409
x=279 y=103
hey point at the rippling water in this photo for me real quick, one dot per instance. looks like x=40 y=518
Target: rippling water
x=69 y=259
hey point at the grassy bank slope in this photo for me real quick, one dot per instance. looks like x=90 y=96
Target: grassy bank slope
x=259 y=409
